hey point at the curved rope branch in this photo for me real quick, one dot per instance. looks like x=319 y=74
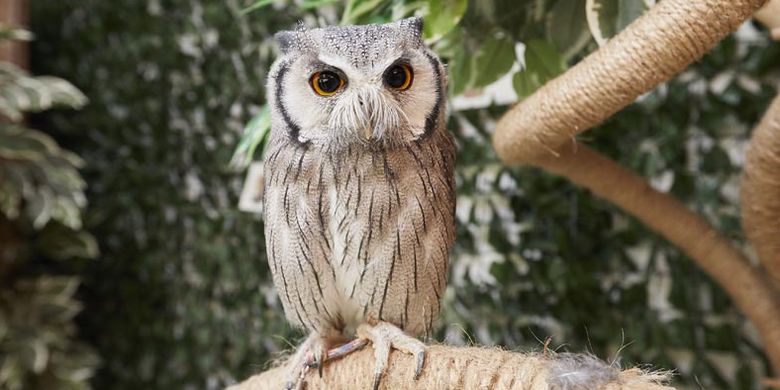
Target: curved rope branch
x=747 y=286
x=760 y=197
x=770 y=17
x=651 y=50
x=467 y=368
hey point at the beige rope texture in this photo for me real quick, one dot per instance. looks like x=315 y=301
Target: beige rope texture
x=445 y=368
x=770 y=17
x=651 y=50
x=761 y=190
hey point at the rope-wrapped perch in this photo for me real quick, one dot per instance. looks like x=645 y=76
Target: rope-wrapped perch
x=760 y=197
x=459 y=368
x=651 y=50
x=750 y=289
x=770 y=17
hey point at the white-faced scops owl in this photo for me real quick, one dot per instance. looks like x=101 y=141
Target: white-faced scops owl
x=359 y=188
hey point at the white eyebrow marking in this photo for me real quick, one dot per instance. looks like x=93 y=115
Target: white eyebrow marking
x=336 y=61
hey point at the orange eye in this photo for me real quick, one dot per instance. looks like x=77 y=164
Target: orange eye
x=326 y=83
x=399 y=77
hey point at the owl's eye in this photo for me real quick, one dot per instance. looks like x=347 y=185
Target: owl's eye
x=326 y=83
x=399 y=77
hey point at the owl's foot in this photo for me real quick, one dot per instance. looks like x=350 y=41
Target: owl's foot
x=310 y=353
x=337 y=353
x=385 y=336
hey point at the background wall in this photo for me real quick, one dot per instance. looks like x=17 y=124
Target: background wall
x=180 y=296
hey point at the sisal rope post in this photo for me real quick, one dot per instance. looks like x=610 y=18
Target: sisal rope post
x=448 y=368
x=747 y=286
x=760 y=196
x=770 y=17
x=651 y=50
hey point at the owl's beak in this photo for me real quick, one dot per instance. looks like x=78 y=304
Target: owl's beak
x=368 y=133
x=367 y=103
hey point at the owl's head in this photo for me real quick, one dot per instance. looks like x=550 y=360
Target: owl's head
x=371 y=85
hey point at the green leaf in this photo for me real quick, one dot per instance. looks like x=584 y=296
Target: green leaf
x=14 y=34
x=357 y=9
x=567 y=27
x=461 y=71
x=256 y=6
x=20 y=92
x=543 y=58
x=60 y=243
x=442 y=16
x=493 y=60
x=628 y=11
x=525 y=83
x=615 y=15
x=314 y=4
x=542 y=63
x=255 y=134
x=401 y=10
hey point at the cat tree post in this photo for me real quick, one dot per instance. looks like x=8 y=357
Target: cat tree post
x=761 y=191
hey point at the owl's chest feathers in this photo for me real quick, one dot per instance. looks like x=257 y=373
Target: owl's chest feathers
x=365 y=207
x=360 y=234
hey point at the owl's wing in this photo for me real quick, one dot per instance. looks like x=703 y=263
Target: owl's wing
x=297 y=243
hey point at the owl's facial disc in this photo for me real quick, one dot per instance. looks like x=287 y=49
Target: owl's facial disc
x=374 y=84
x=365 y=109
x=388 y=103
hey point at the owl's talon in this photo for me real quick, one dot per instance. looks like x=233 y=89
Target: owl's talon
x=311 y=353
x=420 y=364
x=385 y=337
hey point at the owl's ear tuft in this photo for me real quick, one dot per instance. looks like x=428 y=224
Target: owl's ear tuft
x=287 y=40
x=413 y=25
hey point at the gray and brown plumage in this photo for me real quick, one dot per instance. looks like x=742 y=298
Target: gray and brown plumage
x=359 y=186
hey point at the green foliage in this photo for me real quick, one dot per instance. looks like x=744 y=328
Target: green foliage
x=184 y=299
x=21 y=93
x=608 y=17
x=181 y=297
x=41 y=180
x=41 y=202
x=542 y=57
x=37 y=336
x=255 y=135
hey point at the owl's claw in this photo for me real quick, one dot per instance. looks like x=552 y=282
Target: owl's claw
x=311 y=350
x=385 y=337
x=420 y=364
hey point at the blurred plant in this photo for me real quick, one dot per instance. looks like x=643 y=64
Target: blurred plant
x=41 y=202
x=185 y=301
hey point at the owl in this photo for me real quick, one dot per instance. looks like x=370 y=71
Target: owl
x=359 y=188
